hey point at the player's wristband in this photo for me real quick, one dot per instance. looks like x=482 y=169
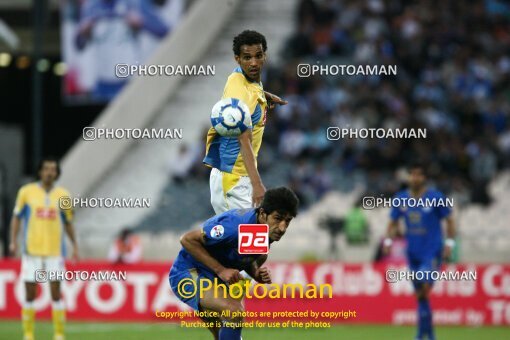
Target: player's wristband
x=387 y=242
x=245 y=275
x=449 y=242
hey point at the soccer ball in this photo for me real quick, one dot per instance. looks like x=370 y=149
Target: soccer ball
x=230 y=117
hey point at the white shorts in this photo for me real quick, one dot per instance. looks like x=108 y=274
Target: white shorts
x=32 y=264
x=229 y=191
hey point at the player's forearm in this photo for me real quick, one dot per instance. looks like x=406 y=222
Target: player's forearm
x=71 y=235
x=450 y=228
x=252 y=269
x=269 y=96
x=199 y=253
x=392 y=229
x=249 y=161
x=15 y=222
x=261 y=260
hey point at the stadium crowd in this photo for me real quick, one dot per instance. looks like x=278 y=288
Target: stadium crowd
x=453 y=79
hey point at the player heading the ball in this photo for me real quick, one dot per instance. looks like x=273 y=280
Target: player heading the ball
x=238 y=122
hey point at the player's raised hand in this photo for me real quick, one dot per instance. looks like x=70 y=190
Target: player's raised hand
x=230 y=275
x=258 y=194
x=263 y=275
x=274 y=99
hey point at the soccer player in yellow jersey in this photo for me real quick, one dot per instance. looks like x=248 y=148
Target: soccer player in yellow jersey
x=235 y=181
x=43 y=223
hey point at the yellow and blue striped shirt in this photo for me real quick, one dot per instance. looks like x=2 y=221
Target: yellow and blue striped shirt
x=42 y=219
x=224 y=153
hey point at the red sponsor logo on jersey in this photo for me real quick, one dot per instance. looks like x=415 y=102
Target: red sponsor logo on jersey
x=46 y=213
x=253 y=239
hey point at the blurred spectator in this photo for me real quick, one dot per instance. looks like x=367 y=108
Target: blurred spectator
x=483 y=169
x=320 y=181
x=180 y=167
x=299 y=190
x=127 y=248
x=292 y=142
x=356 y=225
x=452 y=79
x=397 y=253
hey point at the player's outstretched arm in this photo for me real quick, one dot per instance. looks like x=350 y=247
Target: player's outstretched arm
x=273 y=99
x=249 y=161
x=193 y=242
x=13 y=244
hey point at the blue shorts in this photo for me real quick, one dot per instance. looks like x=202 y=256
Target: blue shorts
x=428 y=264
x=185 y=282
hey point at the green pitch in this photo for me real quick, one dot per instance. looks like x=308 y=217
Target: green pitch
x=154 y=331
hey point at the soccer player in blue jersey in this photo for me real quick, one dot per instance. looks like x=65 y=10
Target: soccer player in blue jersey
x=212 y=252
x=235 y=181
x=425 y=247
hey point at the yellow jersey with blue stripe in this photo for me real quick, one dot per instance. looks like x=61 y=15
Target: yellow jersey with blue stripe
x=224 y=153
x=42 y=219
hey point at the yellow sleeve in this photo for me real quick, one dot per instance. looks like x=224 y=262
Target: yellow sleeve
x=67 y=213
x=21 y=201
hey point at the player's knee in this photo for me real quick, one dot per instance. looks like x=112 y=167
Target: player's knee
x=236 y=311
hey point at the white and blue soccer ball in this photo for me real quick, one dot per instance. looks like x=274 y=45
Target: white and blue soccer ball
x=230 y=117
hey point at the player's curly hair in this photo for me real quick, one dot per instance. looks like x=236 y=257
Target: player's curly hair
x=248 y=37
x=280 y=199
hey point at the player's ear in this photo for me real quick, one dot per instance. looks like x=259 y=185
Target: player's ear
x=262 y=216
x=238 y=59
